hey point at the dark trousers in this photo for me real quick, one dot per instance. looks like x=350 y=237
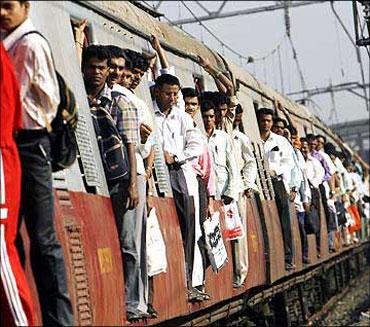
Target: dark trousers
x=186 y=213
x=37 y=208
x=316 y=202
x=203 y=213
x=283 y=206
x=302 y=232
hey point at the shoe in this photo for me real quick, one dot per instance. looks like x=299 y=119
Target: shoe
x=237 y=285
x=332 y=250
x=152 y=312
x=143 y=315
x=318 y=256
x=132 y=316
x=306 y=261
x=194 y=296
x=202 y=291
x=289 y=266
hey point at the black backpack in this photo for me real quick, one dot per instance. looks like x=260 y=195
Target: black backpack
x=112 y=150
x=62 y=136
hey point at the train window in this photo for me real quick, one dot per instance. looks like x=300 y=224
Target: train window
x=255 y=105
x=198 y=83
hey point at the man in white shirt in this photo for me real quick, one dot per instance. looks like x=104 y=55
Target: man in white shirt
x=220 y=145
x=39 y=90
x=118 y=64
x=247 y=168
x=181 y=143
x=315 y=173
x=279 y=154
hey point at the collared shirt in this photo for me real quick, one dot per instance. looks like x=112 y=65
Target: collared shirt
x=123 y=112
x=142 y=151
x=314 y=170
x=177 y=135
x=332 y=168
x=245 y=160
x=317 y=155
x=304 y=191
x=279 y=154
x=225 y=167
x=33 y=64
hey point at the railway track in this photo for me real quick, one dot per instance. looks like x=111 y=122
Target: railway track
x=302 y=299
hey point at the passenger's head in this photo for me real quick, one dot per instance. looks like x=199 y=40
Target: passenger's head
x=238 y=116
x=312 y=141
x=264 y=117
x=296 y=142
x=221 y=101
x=321 y=140
x=190 y=96
x=329 y=149
x=166 y=91
x=208 y=114
x=95 y=69
x=279 y=124
x=116 y=64
x=139 y=65
x=13 y=14
x=305 y=147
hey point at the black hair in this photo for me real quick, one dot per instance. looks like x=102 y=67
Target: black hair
x=278 y=119
x=95 y=51
x=189 y=92
x=206 y=96
x=239 y=109
x=264 y=111
x=166 y=79
x=220 y=99
x=292 y=130
x=304 y=139
x=321 y=136
x=207 y=105
x=115 y=52
x=310 y=137
x=137 y=60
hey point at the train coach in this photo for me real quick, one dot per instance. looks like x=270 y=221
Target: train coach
x=84 y=216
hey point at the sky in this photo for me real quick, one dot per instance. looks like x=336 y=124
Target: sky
x=324 y=51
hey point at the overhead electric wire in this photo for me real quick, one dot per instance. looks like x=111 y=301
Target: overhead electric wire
x=223 y=44
x=357 y=53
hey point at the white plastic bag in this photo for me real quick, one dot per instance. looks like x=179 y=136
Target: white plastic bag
x=155 y=247
x=215 y=245
x=233 y=225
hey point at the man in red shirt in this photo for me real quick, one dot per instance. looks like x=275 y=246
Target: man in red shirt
x=18 y=309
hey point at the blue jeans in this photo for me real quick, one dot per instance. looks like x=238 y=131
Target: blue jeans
x=301 y=217
x=37 y=207
x=127 y=231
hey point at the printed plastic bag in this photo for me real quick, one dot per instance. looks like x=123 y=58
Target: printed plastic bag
x=233 y=224
x=215 y=245
x=155 y=247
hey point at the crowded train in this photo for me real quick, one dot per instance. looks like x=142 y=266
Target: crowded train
x=145 y=177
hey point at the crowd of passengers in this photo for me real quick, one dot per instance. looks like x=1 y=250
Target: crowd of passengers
x=208 y=162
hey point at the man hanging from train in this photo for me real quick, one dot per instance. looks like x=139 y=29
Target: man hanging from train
x=123 y=191
x=126 y=68
x=327 y=187
x=247 y=167
x=39 y=90
x=203 y=167
x=16 y=302
x=181 y=143
x=279 y=154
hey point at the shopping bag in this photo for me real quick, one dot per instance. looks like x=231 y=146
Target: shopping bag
x=353 y=211
x=214 y=243
x=155 y=247
x=233 y=224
